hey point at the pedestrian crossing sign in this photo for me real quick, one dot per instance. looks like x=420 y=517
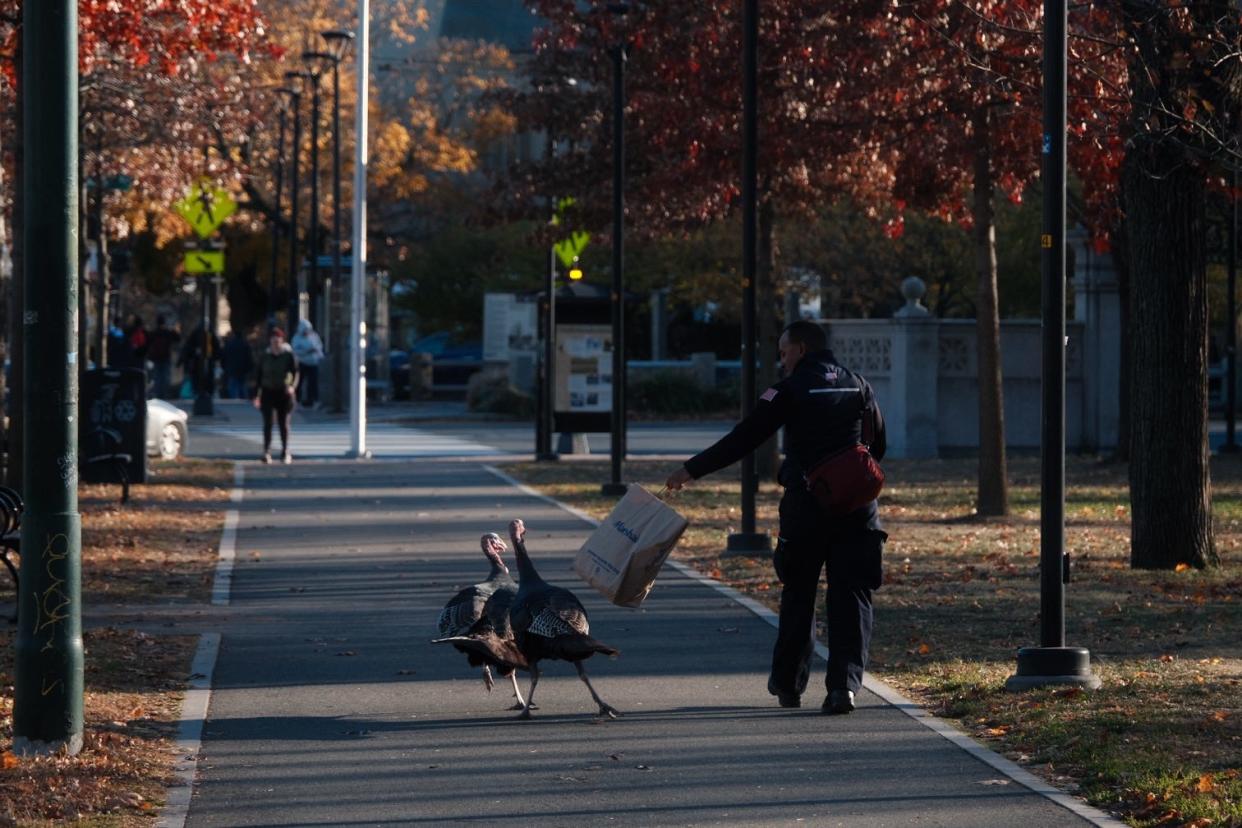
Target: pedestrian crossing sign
x=204 y=261
x=206 y=207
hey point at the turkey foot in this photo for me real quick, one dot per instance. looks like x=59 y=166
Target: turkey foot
x=530 y=696
x=520 y=704
x=605 y=710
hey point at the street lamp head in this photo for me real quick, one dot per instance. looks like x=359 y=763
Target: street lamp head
x=339 y=42
x=316 y=59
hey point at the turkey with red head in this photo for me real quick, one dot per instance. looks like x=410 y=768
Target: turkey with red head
x=476 y=621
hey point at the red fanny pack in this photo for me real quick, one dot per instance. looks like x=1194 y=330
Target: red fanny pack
x=846 y=481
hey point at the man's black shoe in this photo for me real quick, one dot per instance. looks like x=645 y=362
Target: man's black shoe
x=839 y=702
x=789 y=699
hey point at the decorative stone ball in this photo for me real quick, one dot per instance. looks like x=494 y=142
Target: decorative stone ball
x=913 y=289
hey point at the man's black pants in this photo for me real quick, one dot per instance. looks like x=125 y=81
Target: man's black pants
x=853 y=562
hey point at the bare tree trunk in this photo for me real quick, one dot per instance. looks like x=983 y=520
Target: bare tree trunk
x=993 y=480
x=768 y=456
x=1170 y=485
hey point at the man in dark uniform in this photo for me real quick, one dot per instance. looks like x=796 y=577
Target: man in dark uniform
x=825 y=409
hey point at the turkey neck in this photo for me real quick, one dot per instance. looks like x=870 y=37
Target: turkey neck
x=499 y=570
x=526 y=569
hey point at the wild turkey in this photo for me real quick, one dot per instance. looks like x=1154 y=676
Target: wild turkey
x=549 y=622
x=476 y=621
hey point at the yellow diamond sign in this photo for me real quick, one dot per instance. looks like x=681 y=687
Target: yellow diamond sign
x=206 y=207
x=204 y=261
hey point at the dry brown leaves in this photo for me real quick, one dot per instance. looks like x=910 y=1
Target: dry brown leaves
x=159 y=547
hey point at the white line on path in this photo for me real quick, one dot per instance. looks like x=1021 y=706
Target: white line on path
x=1009 y=768
x=223 y=583
x=190 y=732
x=198 y=693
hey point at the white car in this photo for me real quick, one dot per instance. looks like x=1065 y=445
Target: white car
x=167 y=434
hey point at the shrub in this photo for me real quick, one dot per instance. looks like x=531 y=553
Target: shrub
x=675 y=392
x=494 y=394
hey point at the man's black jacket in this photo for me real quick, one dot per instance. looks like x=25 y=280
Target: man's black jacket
x=821 y=406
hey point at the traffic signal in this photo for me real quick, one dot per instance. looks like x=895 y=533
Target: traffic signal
x=575 y=272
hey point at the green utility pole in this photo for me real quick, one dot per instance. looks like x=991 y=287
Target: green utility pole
x=47 y=705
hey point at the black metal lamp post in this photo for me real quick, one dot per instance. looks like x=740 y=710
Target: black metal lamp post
x=295 y=190
x=1231 y=327
x=338 y=45
x=614 y=486
x=288 y=98
x=749 y=540
x=312 y=241
x=1052 y=662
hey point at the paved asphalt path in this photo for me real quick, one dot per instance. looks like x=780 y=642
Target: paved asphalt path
x=331 y=707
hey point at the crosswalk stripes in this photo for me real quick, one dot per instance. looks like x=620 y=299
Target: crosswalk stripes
x=331 y=439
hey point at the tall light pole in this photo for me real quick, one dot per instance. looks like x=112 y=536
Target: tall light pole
x=749 y=540
x=1052 y=662
x=1231 y=326
x=338 y=45
x=358 y=270
x=295 y=274
x=614 y=486
x=48 y=686
x=287 y=97
x=312 y=241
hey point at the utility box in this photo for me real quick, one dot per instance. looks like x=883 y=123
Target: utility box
x=112 y=442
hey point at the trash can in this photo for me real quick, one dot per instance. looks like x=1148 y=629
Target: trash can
x=112 y=442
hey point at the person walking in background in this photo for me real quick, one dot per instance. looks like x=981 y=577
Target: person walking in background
x=826 y=411
x=160 y=345
x=238 y=365
x=308 y=349
x=198 y=354
x=276 y=378
x=137 y=335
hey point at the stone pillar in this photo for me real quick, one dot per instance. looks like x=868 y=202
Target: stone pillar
x=910 y=412
x=659 y=324
x=1098 y=306
x=703 y=368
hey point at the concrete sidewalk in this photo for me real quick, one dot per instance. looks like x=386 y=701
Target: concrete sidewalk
x=330 y=706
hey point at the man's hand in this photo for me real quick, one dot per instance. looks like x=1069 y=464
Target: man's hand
x=678 y=479
x=256 y=403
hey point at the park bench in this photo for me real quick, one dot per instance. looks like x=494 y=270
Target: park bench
x=10 y=532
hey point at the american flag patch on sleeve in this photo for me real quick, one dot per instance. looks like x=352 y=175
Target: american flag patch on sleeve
x=769 y=395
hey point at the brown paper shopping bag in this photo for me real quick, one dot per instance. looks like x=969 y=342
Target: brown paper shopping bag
x=623 y=556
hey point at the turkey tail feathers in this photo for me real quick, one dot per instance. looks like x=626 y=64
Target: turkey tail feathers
x=499 y=652
x=578 y=647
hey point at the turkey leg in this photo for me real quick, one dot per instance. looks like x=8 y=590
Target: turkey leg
x=605 y=709
x=488 y=681
x=530 y=696
x=521 y=703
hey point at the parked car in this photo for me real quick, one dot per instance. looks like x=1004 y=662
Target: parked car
x=454 y=360
x=167 y=433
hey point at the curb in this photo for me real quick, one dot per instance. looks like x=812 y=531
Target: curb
x=886 y=693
